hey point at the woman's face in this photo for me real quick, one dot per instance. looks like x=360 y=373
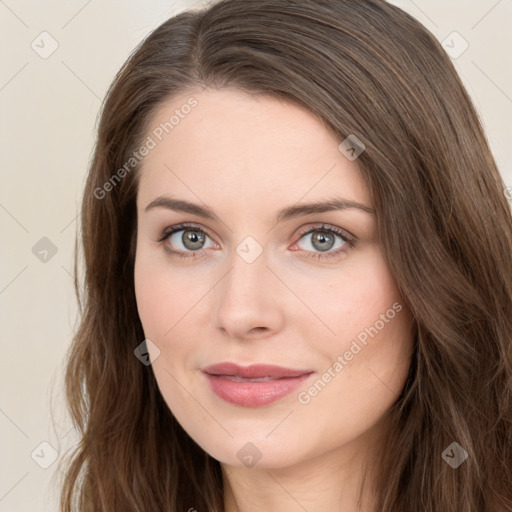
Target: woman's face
x=250 y=285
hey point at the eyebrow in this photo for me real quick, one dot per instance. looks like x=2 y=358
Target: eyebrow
x=287 y=213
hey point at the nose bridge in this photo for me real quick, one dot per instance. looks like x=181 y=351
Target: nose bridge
x=246 y=298
x=249 y=273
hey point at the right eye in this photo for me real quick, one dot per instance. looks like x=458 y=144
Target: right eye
x=188 y=238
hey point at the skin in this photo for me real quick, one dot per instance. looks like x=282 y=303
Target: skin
x=246 y=156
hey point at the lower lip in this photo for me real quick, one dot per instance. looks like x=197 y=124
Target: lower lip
x=253 y=394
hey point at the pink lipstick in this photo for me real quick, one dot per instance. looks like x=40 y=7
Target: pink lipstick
x=255 y=385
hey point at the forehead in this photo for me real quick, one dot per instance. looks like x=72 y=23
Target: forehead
x=254 y=147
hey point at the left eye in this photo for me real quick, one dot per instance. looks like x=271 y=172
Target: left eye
x=324 y=239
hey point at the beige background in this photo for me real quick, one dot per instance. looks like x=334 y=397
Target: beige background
x=48 y=110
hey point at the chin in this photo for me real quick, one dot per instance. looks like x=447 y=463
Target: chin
x=255 y=453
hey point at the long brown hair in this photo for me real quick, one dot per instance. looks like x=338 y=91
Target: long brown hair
x=365 y=68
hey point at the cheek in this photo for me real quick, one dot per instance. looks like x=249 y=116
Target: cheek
x=164 y=294
x=354 y=298
x=366 y=364
x=156 y=297
x=163 y=300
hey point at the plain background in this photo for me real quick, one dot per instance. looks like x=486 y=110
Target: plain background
x=49 y=110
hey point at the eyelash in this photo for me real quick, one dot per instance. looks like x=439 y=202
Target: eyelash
x=350 y=241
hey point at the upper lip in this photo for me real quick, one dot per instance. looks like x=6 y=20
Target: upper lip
x=254 y=371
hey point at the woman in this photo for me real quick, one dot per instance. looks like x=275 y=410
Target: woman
x=298 y=289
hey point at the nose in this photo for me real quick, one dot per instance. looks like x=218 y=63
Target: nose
x=248 y=300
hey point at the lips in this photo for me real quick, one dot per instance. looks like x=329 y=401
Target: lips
x=256 y=371
x=255 y=385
